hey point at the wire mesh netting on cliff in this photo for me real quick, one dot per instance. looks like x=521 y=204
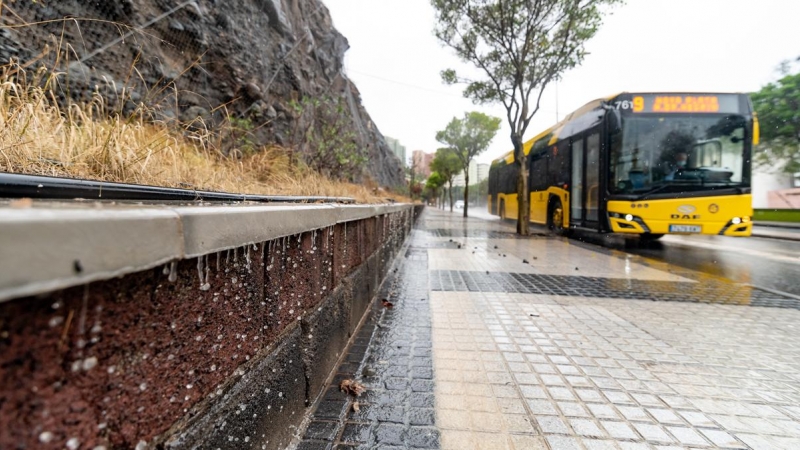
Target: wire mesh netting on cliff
x=121 y=48
x=206 y=60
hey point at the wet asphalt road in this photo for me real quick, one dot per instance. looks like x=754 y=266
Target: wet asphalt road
x=768 y=263
x=763 y=262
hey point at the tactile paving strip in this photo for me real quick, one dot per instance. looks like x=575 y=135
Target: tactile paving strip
x=714 y=292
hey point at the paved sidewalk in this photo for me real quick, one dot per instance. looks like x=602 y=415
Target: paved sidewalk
x=497 y=342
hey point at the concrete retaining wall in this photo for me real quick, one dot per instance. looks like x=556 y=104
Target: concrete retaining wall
x=221 y=350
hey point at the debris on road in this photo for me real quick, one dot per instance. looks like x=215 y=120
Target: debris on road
x=352 y=387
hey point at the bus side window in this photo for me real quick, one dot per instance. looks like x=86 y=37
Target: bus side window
x=558 y=168
x=539 y=173
x=508 y=177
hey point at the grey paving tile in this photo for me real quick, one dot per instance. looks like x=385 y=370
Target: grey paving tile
x=603 y=411
x=653 y=433
x=533 y=392
x=560 y=393
x=586 y=428
x=596 y=444
x=542 y=407
x=619 y=430
x=618 y=397
x=687 y=436
x=633 y=446
x=756 y=442
x=563 y=443
x=665 y=416
x=697 y=419
x=589 y=395
x=573 y=409
x=552 y=425
x=634 y=413
x=722 y=439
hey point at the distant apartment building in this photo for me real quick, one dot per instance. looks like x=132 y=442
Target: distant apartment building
x=477 y=173
x=483 y=172
x=422 y=163
x=397 y=148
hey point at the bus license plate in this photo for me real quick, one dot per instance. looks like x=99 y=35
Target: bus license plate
x=685 y=229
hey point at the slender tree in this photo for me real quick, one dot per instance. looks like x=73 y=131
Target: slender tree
x=411 y=172
x=433 y=185
x=519 y=47
x=468 y=138
x=447 y=164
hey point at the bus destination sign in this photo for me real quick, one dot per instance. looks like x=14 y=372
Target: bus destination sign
x=679 y=103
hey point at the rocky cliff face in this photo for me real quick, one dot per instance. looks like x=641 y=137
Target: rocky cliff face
x=254 y=60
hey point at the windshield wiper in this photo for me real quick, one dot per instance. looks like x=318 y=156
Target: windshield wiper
x=700 y=184
x=653 y=191
x=665 y=186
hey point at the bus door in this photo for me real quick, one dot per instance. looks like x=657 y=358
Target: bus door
x=585 y=186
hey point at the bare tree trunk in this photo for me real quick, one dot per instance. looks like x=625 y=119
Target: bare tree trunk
x=466 y=190
x=450 y=190
x=523 y=197
x=524 y=200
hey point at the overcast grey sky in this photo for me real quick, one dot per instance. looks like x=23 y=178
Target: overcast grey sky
x=645 y=45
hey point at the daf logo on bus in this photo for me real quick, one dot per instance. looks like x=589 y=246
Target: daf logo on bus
x=686 y=213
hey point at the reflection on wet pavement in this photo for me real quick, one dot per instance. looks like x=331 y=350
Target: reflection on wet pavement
x=548 y=343
x=769 y=263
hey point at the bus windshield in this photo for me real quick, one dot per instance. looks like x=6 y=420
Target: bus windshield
x=677 y=153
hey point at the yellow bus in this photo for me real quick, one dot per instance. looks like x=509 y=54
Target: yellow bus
x=648 y=164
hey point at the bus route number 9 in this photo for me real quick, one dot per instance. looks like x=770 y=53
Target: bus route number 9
x=637 y=104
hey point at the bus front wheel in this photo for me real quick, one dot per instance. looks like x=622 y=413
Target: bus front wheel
x=556 y=217
x=502 y=210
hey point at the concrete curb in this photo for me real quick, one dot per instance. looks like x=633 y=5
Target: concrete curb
x=777 y=235
x=789 y=225
x=55 y=245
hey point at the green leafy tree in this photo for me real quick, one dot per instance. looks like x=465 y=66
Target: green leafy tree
x=519 y=47
x=778 y=107
x=433 y=185
x=447 y=164
x=468 y=138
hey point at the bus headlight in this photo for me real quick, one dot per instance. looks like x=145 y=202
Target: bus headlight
x=745 y=219
x=736 y=221
x=628 y=217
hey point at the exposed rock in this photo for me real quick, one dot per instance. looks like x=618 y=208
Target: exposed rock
x=253 y=91
x=252 y=56
x=175 y=25
x=278 y=20
x=271 y=113
x=194 y=113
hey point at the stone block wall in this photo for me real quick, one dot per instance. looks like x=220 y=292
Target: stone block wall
x=226 y=350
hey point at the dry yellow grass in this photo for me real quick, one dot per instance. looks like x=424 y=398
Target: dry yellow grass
x=39 y=137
